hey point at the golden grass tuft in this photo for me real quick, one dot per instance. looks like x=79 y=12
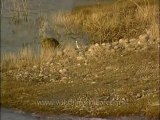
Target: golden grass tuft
x=24 y=58
x=103 y=23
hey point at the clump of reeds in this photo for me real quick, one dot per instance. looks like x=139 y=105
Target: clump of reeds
x=24 y=58
x=18 y=9
x=103 y=23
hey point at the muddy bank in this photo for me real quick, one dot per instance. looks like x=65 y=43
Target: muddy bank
x=7 y=114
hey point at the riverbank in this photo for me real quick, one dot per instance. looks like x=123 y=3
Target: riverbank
x=99 y=81
x=8 y=114
x=116 y=75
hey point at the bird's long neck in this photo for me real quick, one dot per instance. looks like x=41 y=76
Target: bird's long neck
x=77 y=45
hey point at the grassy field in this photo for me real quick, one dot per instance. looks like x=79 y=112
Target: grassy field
x=100 y=82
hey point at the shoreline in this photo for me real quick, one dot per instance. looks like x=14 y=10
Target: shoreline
x=12 y=114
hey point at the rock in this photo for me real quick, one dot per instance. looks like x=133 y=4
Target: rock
x=63 y=71
x=51 y=64
x=93 y=82
x=85 y=64
x=138 y=95
x=144 y=37
x=35 y=66
x=52 y=80
x=91 y=48
x=103 y=44
x=45 y=77
x=108 y=46
x=133 y=41
x=96 y=75
x=96 y=45
x=124 y=42
x=80 y=58
x=78 y=64
x=40 y=75
x=116 y=47
x=64 y=78
x=120 y=41
x=115 y=43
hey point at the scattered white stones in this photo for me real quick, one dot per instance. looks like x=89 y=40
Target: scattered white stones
x=56 y=69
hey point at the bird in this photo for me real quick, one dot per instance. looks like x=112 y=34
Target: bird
x=77 y=46
x=49 y=43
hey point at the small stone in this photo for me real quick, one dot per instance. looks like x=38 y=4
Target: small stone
x=63 y=71
x=120 y=40
x=133 y=40
x=48 y=63
x=123 y=99
x=96 y=75
x=64 y=78
x=116 y=47
x=85 y=64
x=26 y=73
x=103 y=44
x=108 y=68
x=93 y=82
x=138 y=95
x=108 y=46
x=51 y=64
x=96 y=45
x=45 y=77
x=115 y=43
x=78 y=64
x=144 y=37
x=52 y=80
x=80 y=58
x=35 y=66
x=40 y=75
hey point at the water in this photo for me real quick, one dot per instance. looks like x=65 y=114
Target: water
x=8 y=114
x=15 y=36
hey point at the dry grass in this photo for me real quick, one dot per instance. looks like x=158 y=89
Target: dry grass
x=26 y=57
x=124 y=19
x=118 y=84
